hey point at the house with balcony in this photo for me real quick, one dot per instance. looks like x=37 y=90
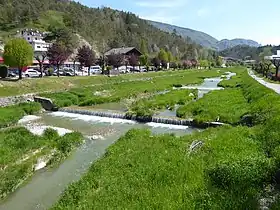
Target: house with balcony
x=35 y=38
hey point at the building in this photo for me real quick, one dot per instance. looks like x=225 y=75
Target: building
x=126 y=51
x=273 y=57
x=35 y=38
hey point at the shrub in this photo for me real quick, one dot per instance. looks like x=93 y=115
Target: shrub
x=3 y=71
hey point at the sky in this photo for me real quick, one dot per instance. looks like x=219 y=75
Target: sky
x=223 y=19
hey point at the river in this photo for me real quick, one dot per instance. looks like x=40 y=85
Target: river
x=44 y=188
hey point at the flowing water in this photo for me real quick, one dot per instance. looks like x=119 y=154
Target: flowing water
x=45 y=187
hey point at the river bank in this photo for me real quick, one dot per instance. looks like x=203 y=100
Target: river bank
x=228 y=168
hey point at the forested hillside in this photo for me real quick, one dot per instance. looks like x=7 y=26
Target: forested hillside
x=242 y=51
x=102 y=27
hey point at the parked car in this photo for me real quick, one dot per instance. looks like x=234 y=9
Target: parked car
x=31 y=73
x=95 y=70
x=124 y=69
x=61 y=73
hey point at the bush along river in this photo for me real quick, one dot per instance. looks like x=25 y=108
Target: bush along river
x=44 y=188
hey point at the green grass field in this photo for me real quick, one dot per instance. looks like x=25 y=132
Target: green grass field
x=10 y=88
x=85 y=96
x=231 y=170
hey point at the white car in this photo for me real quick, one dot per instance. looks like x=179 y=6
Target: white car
x=95 y=70
x=31 y=73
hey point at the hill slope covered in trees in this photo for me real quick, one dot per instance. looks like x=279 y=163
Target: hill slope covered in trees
x=204 y=39
x=102 y=27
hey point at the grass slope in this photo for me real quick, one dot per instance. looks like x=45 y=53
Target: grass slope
x=20 y=150
x=142 y=171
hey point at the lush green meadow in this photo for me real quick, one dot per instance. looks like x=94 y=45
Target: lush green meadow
x=20 y=150
x=231 y=169
x=50 y=84
x=142 y=171
x=148 y=107
x=114 y=92
x=11 y=114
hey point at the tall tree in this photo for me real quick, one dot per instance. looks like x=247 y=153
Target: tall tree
x=115 y=60
x=195 y=54
x=156 y=62
x=18 y=53
x=143 y=60
x=58 y=54
x=163 y=57
x=169 y=56
x=86 y=57
x=276 y=63
x=143 y=47
x=40 y=58
x=133 y=61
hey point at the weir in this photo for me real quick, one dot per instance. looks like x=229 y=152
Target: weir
x=163 y=120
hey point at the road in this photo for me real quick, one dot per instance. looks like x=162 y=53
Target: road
x=272 y=86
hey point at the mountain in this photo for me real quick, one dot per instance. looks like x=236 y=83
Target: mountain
x=197 y=36
x=226 y=44
x=103 y=28
x=202 y=38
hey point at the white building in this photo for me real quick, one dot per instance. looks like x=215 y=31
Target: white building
x=277 y=56
x=35 y=38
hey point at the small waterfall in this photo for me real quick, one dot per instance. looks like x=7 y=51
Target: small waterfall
x=144 y=119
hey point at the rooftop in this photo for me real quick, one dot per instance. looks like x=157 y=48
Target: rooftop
x=122 y=50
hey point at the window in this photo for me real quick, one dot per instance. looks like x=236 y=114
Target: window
x=35 y=38
x=28 y=38
x=38 y=46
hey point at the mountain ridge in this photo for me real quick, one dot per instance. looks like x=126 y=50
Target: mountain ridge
x=203 y=38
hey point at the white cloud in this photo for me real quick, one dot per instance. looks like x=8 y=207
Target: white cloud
x=161 y=4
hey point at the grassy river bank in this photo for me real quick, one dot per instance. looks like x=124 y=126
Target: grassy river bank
x=229 y=168
x=21 y=149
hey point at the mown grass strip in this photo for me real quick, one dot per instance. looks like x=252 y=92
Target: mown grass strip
x=11 y=88
x=86 y=96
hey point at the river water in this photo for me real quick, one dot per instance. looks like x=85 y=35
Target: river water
x=45 y=186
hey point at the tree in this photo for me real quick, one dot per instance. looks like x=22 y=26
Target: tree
x=40 y=57
x=18 y=53
x=204 y=63
x=276 y=63
x=263 y=62
x=169 y=56
x=58 y=54
x=156 y=62
x=194 y=63
x=86 y=57
x=187 y=64
x=115 y=60
x=219 y=61
x=143 y=47
x=163 y=57
x=195 y=54
x=143 y=60
x=133 y=61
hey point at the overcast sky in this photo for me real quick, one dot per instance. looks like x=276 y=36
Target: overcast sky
x=222 y=19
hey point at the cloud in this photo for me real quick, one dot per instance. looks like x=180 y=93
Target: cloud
x=161 y=3
x=202 y=12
